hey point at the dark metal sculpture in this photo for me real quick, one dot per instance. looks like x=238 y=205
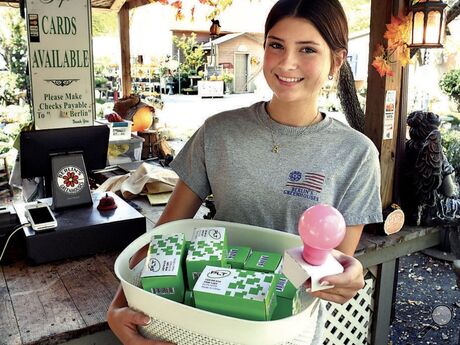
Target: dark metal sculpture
x=430 y=191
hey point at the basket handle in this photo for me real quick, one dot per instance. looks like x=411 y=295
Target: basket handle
x=127 y=254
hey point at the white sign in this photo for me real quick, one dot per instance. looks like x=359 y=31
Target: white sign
x=389 y=116
x=61 y=62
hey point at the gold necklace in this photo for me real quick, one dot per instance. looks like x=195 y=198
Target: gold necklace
x=276 y=146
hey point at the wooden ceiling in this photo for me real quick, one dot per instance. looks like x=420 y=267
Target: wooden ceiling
x=111 y=5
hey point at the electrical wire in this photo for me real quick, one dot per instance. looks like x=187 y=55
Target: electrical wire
x=19 y=227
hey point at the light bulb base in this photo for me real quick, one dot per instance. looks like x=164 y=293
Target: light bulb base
x=314 y=256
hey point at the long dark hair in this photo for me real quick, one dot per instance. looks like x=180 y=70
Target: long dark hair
x=327 y=16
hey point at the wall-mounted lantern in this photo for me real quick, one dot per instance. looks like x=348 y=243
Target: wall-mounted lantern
x=428 y=22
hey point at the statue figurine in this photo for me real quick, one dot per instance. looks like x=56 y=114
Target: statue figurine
x=430 y=191
x=214 y=30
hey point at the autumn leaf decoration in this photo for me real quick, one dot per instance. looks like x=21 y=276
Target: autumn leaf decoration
x=397 y=35
x=216 y=6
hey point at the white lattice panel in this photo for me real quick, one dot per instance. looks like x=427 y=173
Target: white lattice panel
x=350 y=323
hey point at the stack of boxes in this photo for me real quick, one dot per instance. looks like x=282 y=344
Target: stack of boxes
x=233 y=281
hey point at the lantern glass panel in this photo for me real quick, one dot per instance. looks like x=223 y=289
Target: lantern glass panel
x=433 y=26
x=417 y=37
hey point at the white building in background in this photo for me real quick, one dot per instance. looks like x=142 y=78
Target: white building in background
x=152 y=25
x=358 y=54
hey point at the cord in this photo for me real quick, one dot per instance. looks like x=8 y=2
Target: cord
x=19 y=227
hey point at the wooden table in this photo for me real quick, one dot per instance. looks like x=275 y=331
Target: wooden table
x=381 y=254
x=66 y=301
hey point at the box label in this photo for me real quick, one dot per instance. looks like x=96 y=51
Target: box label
x=164 y=256
x=234 y=292
x=235 y=283
x=207 y=247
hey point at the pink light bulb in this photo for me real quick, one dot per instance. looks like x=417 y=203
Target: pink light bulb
x=321 y=228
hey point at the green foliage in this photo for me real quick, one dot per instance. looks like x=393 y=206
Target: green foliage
x=358 y=14
x=8 y=89
x=451 y=146
x=192 y=51
x=13 y=48
x=100 y=81
x=104 y=24
x=227 y=77
x=13 y=119
x=450 y=85
x=218 y=6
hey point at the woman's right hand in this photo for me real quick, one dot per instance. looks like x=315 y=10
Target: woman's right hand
x=124 y=322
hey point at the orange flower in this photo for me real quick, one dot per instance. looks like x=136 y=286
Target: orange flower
x=177 y=4
x=382 y=66
x=397 y=34
x=404 y=55
x=179 y=15
x=397 y=31
x=192 y=13
x=379 y=50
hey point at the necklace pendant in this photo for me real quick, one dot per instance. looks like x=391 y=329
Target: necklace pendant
x=275 y=149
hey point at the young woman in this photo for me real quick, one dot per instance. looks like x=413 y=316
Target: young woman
x=267 y=163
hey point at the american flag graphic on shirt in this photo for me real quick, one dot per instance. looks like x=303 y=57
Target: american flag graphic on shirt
x=312 y=181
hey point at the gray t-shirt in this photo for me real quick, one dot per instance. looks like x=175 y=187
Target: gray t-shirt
x=231 y=157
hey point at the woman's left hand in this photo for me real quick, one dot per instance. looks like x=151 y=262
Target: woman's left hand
x=346 y=284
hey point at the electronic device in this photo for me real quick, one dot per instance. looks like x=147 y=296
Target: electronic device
x=83 y=231
x=40 y=216
x=64 y=156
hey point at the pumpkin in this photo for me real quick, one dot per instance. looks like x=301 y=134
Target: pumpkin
x=142 y=119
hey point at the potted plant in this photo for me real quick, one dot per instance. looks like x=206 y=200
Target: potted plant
x=228 y=79
x=450 y=85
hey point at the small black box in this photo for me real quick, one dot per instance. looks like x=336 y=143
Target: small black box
x=84 y=231
x=8 y=221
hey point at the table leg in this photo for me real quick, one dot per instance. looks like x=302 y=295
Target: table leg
x=383 y=302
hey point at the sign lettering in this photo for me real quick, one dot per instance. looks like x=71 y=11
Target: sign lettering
x=61 y=63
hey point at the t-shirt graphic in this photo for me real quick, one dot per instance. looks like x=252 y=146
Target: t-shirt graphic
x=307 y=185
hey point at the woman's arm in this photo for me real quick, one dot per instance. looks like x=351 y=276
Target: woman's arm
x=182 y=204
x=351 y=239
x=123 y=321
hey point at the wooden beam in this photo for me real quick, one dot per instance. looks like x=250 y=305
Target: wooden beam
x=117 y=5
x=123 y=20
x=137 y=3
x=12 y=4
x=377 y=89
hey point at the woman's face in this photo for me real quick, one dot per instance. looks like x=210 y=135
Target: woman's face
x=297 y=60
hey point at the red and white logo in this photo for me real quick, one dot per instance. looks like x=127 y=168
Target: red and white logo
x=71 y=179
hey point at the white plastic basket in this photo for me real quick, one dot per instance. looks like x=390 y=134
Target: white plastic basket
x=184 y=325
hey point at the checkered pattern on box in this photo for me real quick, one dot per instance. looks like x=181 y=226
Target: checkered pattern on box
x=204 y=250
x=170 y=245
x=249 y=285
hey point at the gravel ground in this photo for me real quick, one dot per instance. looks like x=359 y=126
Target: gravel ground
x=427 y=303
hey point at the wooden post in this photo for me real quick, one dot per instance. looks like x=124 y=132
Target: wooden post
x=123 y=20
x=377 y=89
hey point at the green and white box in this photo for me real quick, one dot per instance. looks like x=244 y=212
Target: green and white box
x=239 y=293
x=285 y=297
x=208 y=247
x=237 y=256
x=264 y=262
x=162 y=272
x=188 y=298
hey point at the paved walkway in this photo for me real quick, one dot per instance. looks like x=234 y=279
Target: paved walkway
x=182 y=115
